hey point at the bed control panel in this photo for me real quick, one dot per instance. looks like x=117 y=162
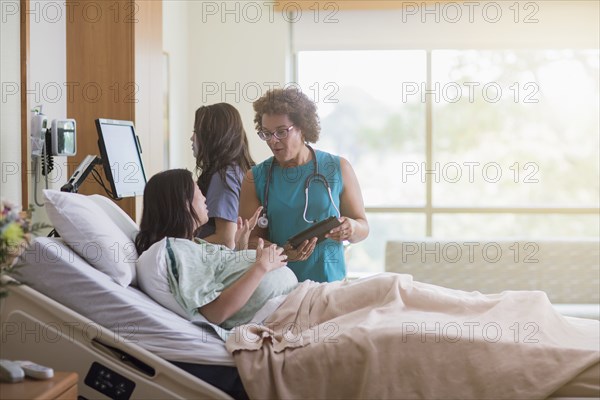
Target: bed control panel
x=109 y=382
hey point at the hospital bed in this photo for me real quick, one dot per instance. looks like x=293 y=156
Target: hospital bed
x=72 y=317
x=69 y=315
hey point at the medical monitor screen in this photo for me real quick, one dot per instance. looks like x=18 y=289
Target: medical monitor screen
x=121 y=157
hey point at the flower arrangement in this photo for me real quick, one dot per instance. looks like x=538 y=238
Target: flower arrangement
x=15 y=233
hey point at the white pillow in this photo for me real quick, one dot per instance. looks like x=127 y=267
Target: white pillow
x=92 y=234
x=152 y=277
x=117 y=215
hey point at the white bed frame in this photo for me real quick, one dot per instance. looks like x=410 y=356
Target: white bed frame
x=36 y=327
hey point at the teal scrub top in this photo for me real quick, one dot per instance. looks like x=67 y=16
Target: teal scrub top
x=286 y=206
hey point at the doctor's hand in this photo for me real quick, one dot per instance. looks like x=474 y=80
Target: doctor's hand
x=244 y=227
x=302 y=252
x=344 y=231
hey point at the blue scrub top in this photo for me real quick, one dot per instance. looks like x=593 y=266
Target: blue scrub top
x=286 y=207
x=222 y=199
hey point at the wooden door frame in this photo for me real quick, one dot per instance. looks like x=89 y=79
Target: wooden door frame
x=25 y=145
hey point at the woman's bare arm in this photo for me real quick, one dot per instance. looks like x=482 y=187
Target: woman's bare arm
x=355 y=226
x=248 y=204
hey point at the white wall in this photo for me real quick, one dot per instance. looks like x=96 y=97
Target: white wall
x=47 y=79
x=235 y=52
x=10 y=103
x=176 y=43
x=46 y=86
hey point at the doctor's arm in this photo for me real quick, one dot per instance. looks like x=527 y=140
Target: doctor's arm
x=248 y=204
x=355 y=226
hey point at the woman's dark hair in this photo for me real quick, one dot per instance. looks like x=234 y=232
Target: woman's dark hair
x=290 y=101
x=221 y=141
x=168 y=208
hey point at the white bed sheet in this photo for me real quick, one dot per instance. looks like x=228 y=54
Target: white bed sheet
x=53 y=269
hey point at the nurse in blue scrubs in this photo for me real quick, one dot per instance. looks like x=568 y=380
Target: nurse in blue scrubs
x=222 y=156
x=300 y=186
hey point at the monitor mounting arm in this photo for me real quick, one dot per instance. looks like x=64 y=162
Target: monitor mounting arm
x=80 y=174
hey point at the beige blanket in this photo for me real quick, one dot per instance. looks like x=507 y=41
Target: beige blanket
x=390 y=337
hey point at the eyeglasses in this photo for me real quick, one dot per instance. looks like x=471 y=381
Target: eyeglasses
x=280 y=133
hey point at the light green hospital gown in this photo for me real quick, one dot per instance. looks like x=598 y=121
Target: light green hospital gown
x=199 y=271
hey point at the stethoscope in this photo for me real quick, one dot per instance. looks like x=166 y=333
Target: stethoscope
x=263 y=221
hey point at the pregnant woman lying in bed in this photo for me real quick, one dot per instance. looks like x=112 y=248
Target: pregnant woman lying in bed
x=227 y=287
x=381 y=337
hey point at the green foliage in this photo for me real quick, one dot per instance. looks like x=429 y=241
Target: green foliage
x=15 y=233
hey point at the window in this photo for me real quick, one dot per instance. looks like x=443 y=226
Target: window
x=463 y=143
